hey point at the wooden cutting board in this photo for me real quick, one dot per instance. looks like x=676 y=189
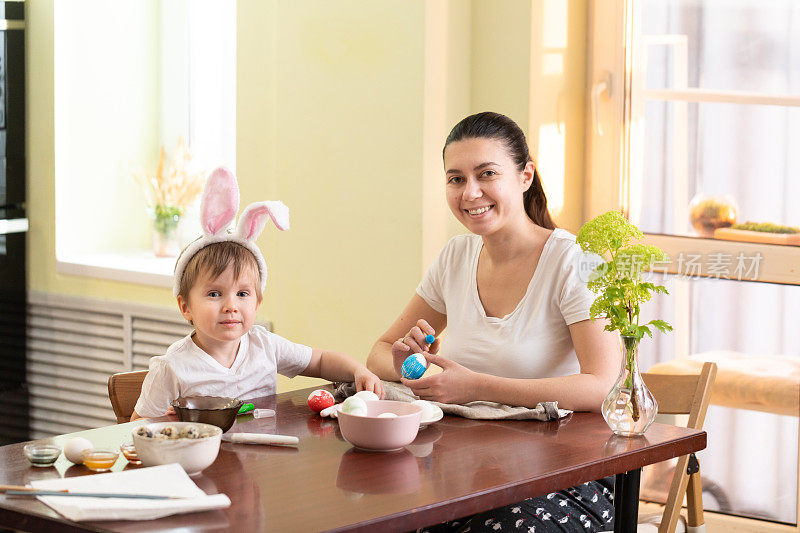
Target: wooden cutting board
x=729 y=234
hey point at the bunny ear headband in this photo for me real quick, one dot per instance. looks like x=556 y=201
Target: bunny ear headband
x=218 y=207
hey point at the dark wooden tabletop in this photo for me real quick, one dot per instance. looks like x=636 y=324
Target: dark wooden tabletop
x=454 y=468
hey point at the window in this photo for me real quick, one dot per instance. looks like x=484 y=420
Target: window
x=131 y=77
x=696 y=117
x=715 y=111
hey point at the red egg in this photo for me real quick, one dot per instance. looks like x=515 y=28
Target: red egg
x=319 y=400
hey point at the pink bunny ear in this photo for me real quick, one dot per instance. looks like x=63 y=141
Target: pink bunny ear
x=253 y=219
x=220 y=201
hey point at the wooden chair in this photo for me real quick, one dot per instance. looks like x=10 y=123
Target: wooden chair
x=123 y=391
x=684 y=395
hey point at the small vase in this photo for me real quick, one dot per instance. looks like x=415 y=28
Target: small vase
x=166 y=237
x=630 y=407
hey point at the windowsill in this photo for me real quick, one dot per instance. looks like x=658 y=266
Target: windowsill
x=134 y=267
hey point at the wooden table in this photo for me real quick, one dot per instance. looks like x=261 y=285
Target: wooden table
x=455 y=467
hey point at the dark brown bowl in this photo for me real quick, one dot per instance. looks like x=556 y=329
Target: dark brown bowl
x=214 y=410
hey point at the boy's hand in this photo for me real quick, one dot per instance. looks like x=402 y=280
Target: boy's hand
x=366 y=380
x=414 y=342
x=170 y=411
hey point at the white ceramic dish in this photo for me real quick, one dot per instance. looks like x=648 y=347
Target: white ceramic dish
x=435 y=418
x=194 y=455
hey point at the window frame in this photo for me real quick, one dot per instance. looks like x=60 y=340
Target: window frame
x=182 y=109
x=612 y=77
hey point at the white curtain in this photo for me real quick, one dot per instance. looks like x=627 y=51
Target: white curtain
x=751 y=153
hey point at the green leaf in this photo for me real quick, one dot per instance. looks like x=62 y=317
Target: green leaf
x=618 y=281
x=598 y=272
x=662 y=326
x=632 y=260
x=607 y=233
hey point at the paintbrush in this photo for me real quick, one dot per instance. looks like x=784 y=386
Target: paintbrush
x=37 y=492
x=21 y=488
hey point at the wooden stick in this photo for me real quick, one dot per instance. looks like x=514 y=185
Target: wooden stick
x=19 y=488
x=36 y=492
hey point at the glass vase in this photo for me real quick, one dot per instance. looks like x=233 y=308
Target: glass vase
x=166 y=237
x=630 y=407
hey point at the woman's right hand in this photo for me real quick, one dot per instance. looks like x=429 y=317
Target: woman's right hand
x=413 y=342
x=417 y=320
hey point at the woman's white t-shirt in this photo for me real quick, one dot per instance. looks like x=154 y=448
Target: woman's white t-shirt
x=186 y=370
x=533 y=341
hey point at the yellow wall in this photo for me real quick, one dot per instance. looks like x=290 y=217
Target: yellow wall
x=342 y=108
x=501 y=35
x=557 y=127
x=529 y=62
x=331 y=110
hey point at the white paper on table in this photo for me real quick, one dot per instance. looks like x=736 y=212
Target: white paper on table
x=164 y=480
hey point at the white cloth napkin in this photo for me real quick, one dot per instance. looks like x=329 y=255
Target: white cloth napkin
x=393 y=390
x=165 y=480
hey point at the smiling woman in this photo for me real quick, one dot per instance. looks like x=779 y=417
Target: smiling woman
x=509 y=150
x=515 y=308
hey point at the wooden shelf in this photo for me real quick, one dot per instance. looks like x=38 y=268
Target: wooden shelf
x=729 y=234
x=778 y=263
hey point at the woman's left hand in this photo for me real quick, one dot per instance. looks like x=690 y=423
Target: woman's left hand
x=455 y=384
x=366 y=380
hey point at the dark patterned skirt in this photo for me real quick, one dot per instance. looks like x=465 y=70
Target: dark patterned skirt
x=584 y=508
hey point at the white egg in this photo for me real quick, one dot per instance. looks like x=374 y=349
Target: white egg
x=367 y=395
x=387 y=415
x=74 y=448
x=428 y=409
x=354 y=406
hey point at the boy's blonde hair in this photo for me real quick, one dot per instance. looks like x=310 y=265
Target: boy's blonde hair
x=214 y=259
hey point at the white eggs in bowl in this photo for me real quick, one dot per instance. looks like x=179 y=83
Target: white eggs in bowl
x=367 y=395
x=372 y=431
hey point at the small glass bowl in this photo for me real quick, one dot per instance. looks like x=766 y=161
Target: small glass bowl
x=42 y=455
x=100 y=460
x=129 y=452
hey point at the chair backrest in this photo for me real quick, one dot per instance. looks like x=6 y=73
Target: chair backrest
x=123 y=391
x=683 y=395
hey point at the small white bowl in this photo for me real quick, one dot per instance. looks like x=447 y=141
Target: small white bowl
x=194 y=455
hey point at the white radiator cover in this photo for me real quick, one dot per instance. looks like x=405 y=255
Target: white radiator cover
x=76 y=343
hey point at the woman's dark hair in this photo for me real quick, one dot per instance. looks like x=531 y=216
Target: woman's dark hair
x=488 y=125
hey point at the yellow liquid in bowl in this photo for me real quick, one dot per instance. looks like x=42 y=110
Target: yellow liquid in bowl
x=100 y=461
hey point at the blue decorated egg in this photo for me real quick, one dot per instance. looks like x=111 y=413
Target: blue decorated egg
x=414 y=366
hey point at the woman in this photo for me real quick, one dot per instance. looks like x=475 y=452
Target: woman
x=518 y=313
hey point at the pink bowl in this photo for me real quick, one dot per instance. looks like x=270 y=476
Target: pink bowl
x=382 y=434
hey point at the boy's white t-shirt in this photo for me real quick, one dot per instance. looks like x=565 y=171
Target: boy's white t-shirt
x=533 y=341
x=186 y=370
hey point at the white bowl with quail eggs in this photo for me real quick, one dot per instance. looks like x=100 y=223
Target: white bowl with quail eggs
x=192 y=445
